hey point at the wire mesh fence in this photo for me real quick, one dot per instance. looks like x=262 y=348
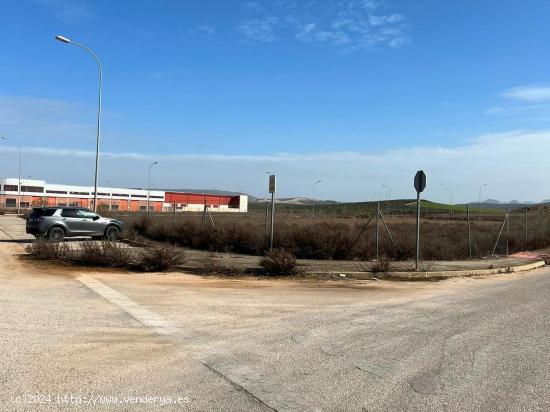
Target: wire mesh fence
x=353 y=231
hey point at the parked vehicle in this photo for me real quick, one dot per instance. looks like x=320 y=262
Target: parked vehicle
x=57 y=223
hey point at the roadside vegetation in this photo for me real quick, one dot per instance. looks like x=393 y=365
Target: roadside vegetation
x=337 y=238
x=108 y=254
x=280 y=262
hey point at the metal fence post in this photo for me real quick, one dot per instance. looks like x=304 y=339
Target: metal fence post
x=541 y=223
x=525 y=224
x=507 y=230
x=469 y=229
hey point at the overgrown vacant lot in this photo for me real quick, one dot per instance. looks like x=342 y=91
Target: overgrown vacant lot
x=338 y=238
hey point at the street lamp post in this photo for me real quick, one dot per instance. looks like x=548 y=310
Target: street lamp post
x=66 y=40
x=19 y=179
x=315 y=183
x=479 y=198
x=388 y=189
x=451 y=192
x=110 y=183
x=149 y=184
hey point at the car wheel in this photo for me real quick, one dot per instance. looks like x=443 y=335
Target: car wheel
x=112 y=233
x=56 y=234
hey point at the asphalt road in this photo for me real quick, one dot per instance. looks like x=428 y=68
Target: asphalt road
x=234 y=344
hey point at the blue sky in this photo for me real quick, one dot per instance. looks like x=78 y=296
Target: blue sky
x=357 y=93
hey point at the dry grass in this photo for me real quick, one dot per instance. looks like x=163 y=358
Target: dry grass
x=108 y=254
x=344 y=238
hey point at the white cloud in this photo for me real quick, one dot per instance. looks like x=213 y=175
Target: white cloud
x=205 y=28
x=69 y=11
x=383 y=20
x=528 y=93
x=349 y=25
x=260 y=29
x=514 y=165
x=527 y=103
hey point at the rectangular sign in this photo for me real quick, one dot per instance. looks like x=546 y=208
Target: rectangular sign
x=272 y=184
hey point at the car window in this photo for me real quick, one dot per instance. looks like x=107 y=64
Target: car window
x=88 y=214
x=69 y=213
x=42 y=212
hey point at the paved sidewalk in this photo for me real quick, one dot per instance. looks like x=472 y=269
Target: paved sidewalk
x=198 y=259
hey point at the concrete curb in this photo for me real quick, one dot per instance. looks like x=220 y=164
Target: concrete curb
x=411 y=276
x=439 y=275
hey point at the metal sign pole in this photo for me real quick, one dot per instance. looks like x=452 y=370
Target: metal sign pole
x=272 y=220
x=417 y=230
x=272 y=191
x=266 y=216
x=419 y=185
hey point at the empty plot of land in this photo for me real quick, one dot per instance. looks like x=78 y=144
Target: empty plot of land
x=253 y=344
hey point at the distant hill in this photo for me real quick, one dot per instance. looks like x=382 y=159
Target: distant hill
x=205 y=191
x=295 y=201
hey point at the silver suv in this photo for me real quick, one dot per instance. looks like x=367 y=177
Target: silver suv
x=56 y=223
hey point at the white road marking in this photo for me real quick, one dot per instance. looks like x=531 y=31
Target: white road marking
x=141 y=314
x=226 y=369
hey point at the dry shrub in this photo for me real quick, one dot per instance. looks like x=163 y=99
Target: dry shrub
x=280 y=262
x=161 y=258
x=46 y=250
x=338 y=238
x=382 y=266
x=105 y=253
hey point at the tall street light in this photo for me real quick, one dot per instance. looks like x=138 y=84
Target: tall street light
x=388 y=189
x=66 y=40
x=149 y=184
x=451 y=193
x=110 y=184
x=19 y=183
x=479 y=198
x=314 y=184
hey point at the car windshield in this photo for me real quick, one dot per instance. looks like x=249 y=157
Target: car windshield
x=42 y=212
